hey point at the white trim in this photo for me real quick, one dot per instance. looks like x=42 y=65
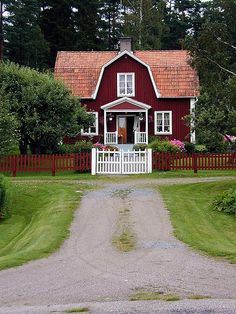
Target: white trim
x=193 y=102
x=139 y=104
x=96 y=125
x=133 y=84
x=155 y=122
x=125 y=52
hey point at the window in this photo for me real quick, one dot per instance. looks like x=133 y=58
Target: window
x=93 y=128
x=125 y=84
x=163 y=122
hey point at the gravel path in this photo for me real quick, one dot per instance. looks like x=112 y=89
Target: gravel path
x=88 y=269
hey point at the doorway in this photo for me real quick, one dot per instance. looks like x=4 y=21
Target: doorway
x=125 y=127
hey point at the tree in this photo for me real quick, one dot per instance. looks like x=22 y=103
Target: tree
x=24 y=42
x=213 y=51
x=43 y=107
x=8 y=129
x=143 y=21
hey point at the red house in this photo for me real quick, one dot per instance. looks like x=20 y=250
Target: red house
x=132 y=94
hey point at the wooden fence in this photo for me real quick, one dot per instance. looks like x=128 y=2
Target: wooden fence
x=42 y=163
x=182 y=161
x=81 y=162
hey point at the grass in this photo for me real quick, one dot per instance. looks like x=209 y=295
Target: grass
x=124 y=238
x=198 y=297
x=41 y=214
x=78 y=310
x=196 y=224
x=71 y=175
x=152 y=295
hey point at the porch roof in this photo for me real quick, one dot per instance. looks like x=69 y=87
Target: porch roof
x=125 y=104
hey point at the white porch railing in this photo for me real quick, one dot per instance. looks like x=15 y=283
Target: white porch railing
x=111 y=138
x=140 y=138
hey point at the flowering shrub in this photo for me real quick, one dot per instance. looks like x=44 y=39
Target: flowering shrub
x=163 y=146
x=179 y=144
x=229 y=138
x=99 y=146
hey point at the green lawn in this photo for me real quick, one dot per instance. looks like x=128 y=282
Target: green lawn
x=71 y=175
x=196 y=224
x=41 y=216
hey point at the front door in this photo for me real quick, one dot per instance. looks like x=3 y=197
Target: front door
x=125 y=129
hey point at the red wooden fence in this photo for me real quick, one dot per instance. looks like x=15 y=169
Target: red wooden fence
x=182 y=161
x=82 y=162
x=39 y=163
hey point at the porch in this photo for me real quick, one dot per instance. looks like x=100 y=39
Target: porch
x=125 y=122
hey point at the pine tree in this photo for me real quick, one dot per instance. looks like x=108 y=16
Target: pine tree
x=58 y=27
x=25 y=43
x=143 y=21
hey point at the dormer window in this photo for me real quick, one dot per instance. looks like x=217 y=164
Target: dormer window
x=125 y=84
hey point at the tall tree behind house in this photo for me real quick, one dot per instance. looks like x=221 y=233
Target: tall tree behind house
x=25 y=43
x=143 y=21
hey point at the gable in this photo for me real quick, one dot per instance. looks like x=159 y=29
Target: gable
x=170 y=71
x=125 y=103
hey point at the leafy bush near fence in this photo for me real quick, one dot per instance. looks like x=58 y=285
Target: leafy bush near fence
x=140 y=146
x=163 y=146
x=4 y=197
x=200 y=148
x=226 y=202
x=78 y=147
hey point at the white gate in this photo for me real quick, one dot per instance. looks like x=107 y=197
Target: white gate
x=120 y=162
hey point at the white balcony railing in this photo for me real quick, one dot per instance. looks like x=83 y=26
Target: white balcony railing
x=111 y=138
x=140 y=137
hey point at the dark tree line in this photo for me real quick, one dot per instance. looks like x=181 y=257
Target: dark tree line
x=34 y=30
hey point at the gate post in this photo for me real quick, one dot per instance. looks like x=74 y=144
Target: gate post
x=149 y=151
x=93 y=161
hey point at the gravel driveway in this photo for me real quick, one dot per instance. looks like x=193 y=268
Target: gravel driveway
x=87 y=269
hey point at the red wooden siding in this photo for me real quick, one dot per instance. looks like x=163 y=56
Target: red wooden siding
x=144 y=92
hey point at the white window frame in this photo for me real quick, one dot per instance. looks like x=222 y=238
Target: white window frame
x=155 y=122
x=89 y=128
x=118 y=84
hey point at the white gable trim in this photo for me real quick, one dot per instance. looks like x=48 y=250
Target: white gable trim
x=119 y=101
x=157 y=92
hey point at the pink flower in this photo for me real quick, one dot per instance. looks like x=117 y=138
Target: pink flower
x=179 y=144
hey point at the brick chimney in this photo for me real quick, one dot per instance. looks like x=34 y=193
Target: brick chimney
x=125 y=44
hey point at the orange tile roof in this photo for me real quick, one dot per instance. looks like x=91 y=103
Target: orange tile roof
x=171 y=71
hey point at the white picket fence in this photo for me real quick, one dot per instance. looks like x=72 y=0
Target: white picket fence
x=121 y=162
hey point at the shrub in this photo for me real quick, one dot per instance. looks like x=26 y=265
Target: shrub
x=226 y=202
x=189 y=147
x=199 y=148
x=140 y=146
x=83 y=146
x=4 y=197
x=179 y=144
x=163 y=146
x=111 y=147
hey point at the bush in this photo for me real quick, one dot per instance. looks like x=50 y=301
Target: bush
x=140 y=146
x=199 y=148
x=189 y=147
x=226 y=202
x=111 y=147
x=163 y=146
x=4 y=197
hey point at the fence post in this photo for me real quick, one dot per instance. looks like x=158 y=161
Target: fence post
x=53 y=165
x=14 y=166
x=93 y=162
x=194 y=161
x=149 y=152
